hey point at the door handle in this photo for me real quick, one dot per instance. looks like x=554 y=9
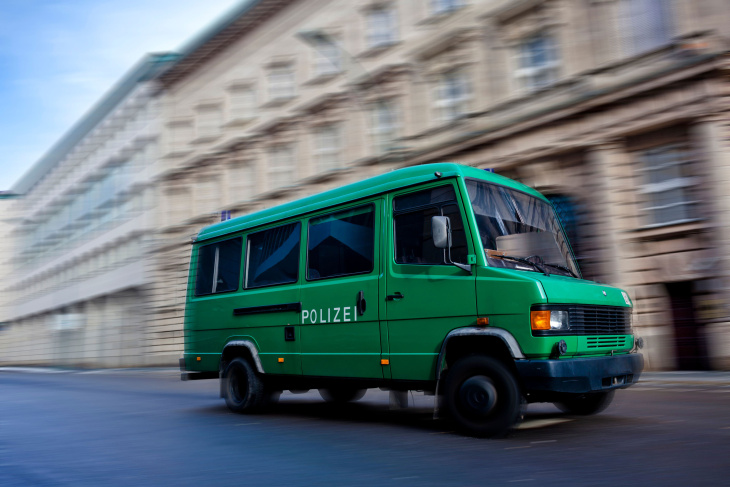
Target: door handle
x=361 y=303
x=393 y=297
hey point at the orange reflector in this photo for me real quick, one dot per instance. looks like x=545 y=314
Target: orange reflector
x=384 y=361
x=482 y=321
x=198 y=359
x=281 y=360
x=540 y=320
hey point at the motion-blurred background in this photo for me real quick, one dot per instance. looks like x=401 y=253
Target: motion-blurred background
x=617 y=110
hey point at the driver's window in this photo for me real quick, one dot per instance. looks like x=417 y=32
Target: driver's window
x=412 y=215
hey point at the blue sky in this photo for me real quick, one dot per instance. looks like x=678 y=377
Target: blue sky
x=58 y=57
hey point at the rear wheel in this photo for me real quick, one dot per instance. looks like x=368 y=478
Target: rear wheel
x=585 y=404
x=342 y=394
x=482 y=396
x=243 y=389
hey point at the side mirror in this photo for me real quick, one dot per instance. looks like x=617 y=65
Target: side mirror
x=441 y=232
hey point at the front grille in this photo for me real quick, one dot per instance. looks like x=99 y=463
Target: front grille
x=605 y=342
x=599 y=320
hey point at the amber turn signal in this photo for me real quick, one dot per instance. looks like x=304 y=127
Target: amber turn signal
x=482 y=321
x=540 y=320
x=281 y=360
x=384 y=361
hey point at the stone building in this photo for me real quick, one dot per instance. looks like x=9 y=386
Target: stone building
x=618 y=110
x=75 y=285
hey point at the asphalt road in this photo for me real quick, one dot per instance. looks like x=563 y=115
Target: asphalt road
x=134 y=428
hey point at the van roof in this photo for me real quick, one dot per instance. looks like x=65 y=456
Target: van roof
x=383 y=183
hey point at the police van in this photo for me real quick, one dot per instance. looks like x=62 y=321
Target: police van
x=441 y=278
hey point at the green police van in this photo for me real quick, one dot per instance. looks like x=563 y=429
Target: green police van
x=442 y=278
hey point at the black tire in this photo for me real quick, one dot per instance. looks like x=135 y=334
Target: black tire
x=342 y=394
x=242 y=387
x=585 y=404
x=482 y=396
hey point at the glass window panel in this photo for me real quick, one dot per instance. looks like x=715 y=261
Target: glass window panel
x=432 y=196
x=219 y=266
x=413 y=237
x=341 y=244
x=273 y=256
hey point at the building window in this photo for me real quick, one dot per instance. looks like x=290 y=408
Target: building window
x=667 y=184
x=439 y=7
x=242 y=180
x=242 y=103
x=537 y=62
x=452 y=95
x=647 y=24
x=381 y=27
x=327 y=147
x=384 y=125
x=208 y=195
x=208 y=122
x=281 y=82
x=281 y=166
x=327 y=57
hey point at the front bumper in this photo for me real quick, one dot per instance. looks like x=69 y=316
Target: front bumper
x=580 y=375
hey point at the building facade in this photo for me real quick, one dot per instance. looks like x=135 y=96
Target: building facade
x=76 y=285
x=617 y=110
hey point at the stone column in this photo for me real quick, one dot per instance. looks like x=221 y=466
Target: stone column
x=712 y=137
x=615 y=208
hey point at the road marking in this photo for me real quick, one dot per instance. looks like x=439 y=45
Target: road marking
x=517 y=447
x=246 y=424
x=543 y=441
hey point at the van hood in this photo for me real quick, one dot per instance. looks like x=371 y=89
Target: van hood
x=567 y=290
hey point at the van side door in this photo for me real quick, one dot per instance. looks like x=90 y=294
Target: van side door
x=340 y=328
x=426 y=297
x=267 y=311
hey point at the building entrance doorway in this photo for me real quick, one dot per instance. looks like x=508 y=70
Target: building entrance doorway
x=689 y=339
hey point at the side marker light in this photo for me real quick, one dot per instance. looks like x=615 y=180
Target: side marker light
x=281 y=360
x=198 y=359
x=384 y=361
x=482 y=321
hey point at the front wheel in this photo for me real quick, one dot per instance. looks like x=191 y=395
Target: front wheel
x=585 y=404
x=482 y=396
x=243 y=389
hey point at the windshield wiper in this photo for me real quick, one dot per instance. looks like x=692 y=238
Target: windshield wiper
x=563 y=268
x=519 y=259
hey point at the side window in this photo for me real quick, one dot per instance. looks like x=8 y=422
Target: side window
x=412 y=215
x=219 y=267
x=272 y=256
x=341 y=243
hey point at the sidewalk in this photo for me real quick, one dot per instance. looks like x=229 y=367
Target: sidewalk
x=716 y=378
x=678 y=377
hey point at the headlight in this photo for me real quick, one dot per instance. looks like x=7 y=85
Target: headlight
x=549 y=320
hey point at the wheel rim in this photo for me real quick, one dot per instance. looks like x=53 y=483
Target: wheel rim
x=478 y=396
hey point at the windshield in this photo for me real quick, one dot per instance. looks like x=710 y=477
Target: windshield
x=519 y=231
